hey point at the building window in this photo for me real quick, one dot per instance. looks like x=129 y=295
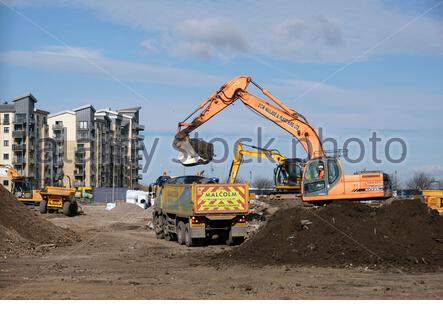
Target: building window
x=6 y=129
x=83 y=124
x=5 y=183
x=6 y=119
x=5 y=156
x=5 y=143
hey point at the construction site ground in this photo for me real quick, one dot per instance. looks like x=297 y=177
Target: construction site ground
x=119 y=257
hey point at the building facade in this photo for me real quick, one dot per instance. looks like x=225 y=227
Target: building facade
x=23 y=135
x=97 y=148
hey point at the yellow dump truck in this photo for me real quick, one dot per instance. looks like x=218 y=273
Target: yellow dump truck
x=434 y=199
x=59 y=198
x=193 y=209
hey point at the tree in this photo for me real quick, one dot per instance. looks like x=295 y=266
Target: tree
x=262 y=183
x=396 y=182
x=420 y=180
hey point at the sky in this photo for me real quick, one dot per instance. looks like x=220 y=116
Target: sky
x=351 y=68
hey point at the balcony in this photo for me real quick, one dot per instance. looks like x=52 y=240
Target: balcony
x=78 y=173
x=19 y=147
x=59 y=137
x=140 y=127
x=79 y=160
x=83 y=136
x=80 y=151
x=57 y=127
x=139 y=157
x=19 y=119
x=138 y=137
x=139 y=177
x=19 y=134
x=18 y=161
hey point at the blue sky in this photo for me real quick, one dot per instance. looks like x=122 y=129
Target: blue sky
x=351 y=68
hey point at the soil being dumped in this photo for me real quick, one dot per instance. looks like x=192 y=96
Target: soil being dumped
x=404 y=234
x=23 y=230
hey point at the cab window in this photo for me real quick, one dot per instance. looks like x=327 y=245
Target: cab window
x=333 y=171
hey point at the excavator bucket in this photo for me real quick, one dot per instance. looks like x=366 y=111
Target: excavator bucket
x=192 y=152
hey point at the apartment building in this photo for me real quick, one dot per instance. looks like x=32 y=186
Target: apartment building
x=23 y=136
x=73 y=135
x=97 y=148
x=124 y=144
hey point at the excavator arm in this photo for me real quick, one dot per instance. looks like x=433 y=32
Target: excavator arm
x=10 y=171
x=272 y=155
x=193 y=152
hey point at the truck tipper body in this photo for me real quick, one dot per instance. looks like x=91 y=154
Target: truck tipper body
x=192 y=213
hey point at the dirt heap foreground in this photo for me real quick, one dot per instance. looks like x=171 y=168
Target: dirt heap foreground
x=404 y=234
x=21 y=229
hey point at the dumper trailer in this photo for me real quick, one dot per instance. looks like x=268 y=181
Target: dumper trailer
x=193 y=213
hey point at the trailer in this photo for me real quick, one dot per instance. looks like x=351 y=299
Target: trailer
x=191 y=211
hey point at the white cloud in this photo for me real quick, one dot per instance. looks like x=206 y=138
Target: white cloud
x=206 y=37
x=92 y=62
x=149 y=46
x=435 y=170
x=315 y=31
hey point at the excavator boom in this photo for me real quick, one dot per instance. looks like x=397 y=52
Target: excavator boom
x=194 y=152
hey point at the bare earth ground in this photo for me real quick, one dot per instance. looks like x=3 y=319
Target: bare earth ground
x=120 y=258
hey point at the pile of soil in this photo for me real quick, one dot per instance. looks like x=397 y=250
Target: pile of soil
x=404 y=234
x=22 y=230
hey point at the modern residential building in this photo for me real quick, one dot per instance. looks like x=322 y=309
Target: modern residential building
x=123 y=128
x=97 y=148
x=23 y=136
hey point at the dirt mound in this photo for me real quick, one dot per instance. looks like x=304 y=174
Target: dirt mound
x=20 y=228
x=404 y=234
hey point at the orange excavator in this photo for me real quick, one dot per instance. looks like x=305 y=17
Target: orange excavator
x=21 y=186
x=323 y=178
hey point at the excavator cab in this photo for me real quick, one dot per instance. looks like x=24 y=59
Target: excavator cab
x=288 y=174
x=22 y=188
x=320 y=175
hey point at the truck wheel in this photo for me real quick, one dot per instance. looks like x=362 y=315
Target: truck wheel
x=234 y=241
x=181 y=233
x=67 y=209
x=188 y=238
x=166 y=233
x=158 y=227
x=75 y=208
x=43 y=206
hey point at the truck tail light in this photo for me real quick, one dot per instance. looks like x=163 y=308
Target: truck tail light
x=242 y=219
x=194 y=220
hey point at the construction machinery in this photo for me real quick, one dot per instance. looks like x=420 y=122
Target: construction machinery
x=21 y=186
x=323 y=178
x=287 y=174
x=434 y=199
x=84 y=193
x=193 y=209
x=59 y=198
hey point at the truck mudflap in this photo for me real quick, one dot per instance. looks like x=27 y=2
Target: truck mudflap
x=221 y=198
x=239 y=230
x=198 y=231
